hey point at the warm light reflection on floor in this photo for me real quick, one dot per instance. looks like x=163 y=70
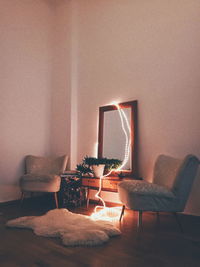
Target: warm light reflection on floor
x=106 y=213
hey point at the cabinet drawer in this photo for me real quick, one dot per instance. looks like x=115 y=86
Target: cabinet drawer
x=109 y=184
x=90 y=182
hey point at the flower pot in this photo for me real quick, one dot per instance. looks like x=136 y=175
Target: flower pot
x=98 y=170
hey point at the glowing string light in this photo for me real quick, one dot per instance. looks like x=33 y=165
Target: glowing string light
x=105 y=212
x=123 y=119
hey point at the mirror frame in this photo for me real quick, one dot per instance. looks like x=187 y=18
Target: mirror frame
x=133 y=125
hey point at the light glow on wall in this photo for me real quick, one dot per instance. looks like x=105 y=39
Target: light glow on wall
x=103 y=212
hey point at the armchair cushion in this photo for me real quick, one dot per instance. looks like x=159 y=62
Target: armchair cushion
x=40 y=183
x=45 y=178
x=144 y=196
x=145 y=188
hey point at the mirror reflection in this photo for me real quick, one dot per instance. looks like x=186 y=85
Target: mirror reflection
x=114 y=136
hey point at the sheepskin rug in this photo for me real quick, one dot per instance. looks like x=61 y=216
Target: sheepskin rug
x=73 y=229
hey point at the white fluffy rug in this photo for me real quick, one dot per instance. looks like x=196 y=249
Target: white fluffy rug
x=73 y=229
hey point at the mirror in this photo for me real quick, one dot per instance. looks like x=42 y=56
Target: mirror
x=118 y=135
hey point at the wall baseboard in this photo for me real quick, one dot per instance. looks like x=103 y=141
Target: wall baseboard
x=92 y=201
x=9 y=192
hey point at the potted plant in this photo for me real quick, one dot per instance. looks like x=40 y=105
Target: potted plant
x=83 y=169
x=112 y=164
x=97 y=165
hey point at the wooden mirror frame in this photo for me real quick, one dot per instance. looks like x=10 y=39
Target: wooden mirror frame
x=133 y=125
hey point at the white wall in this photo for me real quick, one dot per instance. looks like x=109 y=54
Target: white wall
x=60 y=95
x=61 y=60
x=26 y=36
x=64 y=80
x=149 y=51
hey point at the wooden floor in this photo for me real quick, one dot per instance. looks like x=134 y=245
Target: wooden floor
x=159 y=244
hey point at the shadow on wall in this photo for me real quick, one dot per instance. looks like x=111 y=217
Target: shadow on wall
x=9 y=192
x=193 y=204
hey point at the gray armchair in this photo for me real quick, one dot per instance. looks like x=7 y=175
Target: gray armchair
x=169 y=191
x=43 y=175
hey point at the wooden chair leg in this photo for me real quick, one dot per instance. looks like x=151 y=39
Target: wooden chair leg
x=22 y=197
x=178 y=222
x=158 y=216
x=56 y=199
x=87 y=197
x=139 y=219
x=122 y=212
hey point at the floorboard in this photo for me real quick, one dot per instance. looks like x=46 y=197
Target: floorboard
x=158 y=243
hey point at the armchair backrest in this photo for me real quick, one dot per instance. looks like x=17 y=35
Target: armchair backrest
x=184 y=178
x=165 y=170
x=45 y=165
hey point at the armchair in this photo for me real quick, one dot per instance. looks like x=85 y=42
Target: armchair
x=42 y=175
x=172 y=182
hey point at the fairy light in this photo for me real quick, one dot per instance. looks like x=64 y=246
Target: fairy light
x=123 y=119
x=113 y=213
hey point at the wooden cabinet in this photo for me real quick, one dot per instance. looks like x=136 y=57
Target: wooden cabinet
x=90 y=182
x=108 y=184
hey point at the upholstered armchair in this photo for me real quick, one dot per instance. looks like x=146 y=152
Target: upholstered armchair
x=42 y=174
x=169 y=191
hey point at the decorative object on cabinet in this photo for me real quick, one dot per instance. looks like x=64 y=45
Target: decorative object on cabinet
x=98 y=170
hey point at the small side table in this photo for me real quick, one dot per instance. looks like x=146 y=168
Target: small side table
x=71 y=193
